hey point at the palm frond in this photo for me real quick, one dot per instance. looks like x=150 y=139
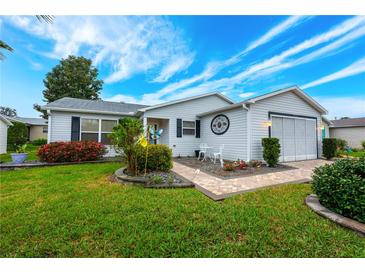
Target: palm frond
x=45 y=18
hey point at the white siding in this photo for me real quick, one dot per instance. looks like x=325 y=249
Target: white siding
x=353 y=135
x=234 y=140
x=286 y=103
x=3 y=136
x=61 y=125
x=186 y=111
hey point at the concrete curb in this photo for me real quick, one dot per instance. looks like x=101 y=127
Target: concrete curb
x=313 y=203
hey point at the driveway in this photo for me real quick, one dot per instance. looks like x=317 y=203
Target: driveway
x=219 y=189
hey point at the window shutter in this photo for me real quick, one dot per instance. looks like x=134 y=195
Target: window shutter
x=197 y=129
x=75 y=129
x=178 y=128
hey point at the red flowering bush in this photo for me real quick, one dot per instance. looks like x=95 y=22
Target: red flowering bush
x=76 y=151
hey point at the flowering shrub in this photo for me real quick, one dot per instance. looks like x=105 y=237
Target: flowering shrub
x=77 y=151
x=228 y=166
x=240 y=164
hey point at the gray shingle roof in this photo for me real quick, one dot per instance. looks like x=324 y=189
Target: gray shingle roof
x=29 y=121
x=350 y=122
x=93 y=105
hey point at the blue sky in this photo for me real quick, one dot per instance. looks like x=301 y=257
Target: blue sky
x=155 y=59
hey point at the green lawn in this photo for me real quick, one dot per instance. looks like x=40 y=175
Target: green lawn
x=355 y=153
x=31 y=150
x=74 y=211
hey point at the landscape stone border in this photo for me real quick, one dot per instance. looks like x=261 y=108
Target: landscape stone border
x=121 y=177
x=313 y=203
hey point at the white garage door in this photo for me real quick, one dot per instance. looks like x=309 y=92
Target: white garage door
x=297 y=138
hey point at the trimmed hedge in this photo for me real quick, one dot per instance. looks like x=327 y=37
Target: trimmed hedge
x=329 y=147
x=77 y=151
x=17 y=135
x=159 y=158
x=271 y=151
x=39 y=142
x=340 y=187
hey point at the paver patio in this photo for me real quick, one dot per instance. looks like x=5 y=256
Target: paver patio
x=219 y=189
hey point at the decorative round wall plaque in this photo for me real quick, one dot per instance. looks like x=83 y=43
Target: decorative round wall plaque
x=219 y=124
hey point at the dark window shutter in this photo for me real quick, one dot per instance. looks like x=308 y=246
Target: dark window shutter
x=75 y=129
x=178 y=128
x=197 y=129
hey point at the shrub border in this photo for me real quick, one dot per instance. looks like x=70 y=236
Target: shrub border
x=313 y=203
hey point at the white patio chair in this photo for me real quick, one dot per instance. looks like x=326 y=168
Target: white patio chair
x=219 y=155
x=202 y=150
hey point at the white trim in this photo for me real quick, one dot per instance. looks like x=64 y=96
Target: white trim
x=187 y=99
x=237 y=105
x=295 y=89
x=6 y=121
x=292 y=116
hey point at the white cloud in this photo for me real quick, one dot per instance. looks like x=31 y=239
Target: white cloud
x=179 y=64
x=129 y=45
x=246 y=94
x=343 y=106
x=353 y=69
x=122 y=98
x=36 y=66
x=275 y=31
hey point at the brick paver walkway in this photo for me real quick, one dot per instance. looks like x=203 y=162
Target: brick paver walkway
x=219 y=189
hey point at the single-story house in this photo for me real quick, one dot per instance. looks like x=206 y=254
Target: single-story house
x=4 y=124
x=350 y=129
x=37 y=127
x=288 y=114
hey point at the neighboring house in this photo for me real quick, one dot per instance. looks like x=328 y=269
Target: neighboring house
x=289 y=114
x=351 y=129
x=37 y=127
x=4 y=124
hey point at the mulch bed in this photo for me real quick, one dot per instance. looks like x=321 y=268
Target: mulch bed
x=216 y=170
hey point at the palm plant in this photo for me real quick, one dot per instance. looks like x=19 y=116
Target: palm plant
x=5 y=46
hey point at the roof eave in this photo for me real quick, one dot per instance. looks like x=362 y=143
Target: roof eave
x=89 y=111
x=237 y=105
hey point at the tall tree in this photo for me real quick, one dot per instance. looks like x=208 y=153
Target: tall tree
x=73 y=77
x=11 y=112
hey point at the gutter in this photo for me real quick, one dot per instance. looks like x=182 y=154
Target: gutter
x=131 y=114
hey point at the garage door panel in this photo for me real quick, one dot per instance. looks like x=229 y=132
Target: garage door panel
x=289 y=139
x=300 y=140
x=277 y=132
x=311 y=139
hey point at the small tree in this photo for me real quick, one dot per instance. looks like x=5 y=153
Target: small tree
x=125 y=138
x=329 y=147
x=271 y=151
x=17 y=135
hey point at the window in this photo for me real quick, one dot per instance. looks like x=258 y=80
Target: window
x=97 y=130
x=188 y=127
x=45 y=129
x=106 y=129
x=90 y=129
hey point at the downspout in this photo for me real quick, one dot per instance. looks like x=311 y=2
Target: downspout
x=49 y=134
x=248 y=126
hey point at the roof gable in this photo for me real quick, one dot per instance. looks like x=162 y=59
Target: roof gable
x=188 y=99
x=5 y=120
x=296 y=90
